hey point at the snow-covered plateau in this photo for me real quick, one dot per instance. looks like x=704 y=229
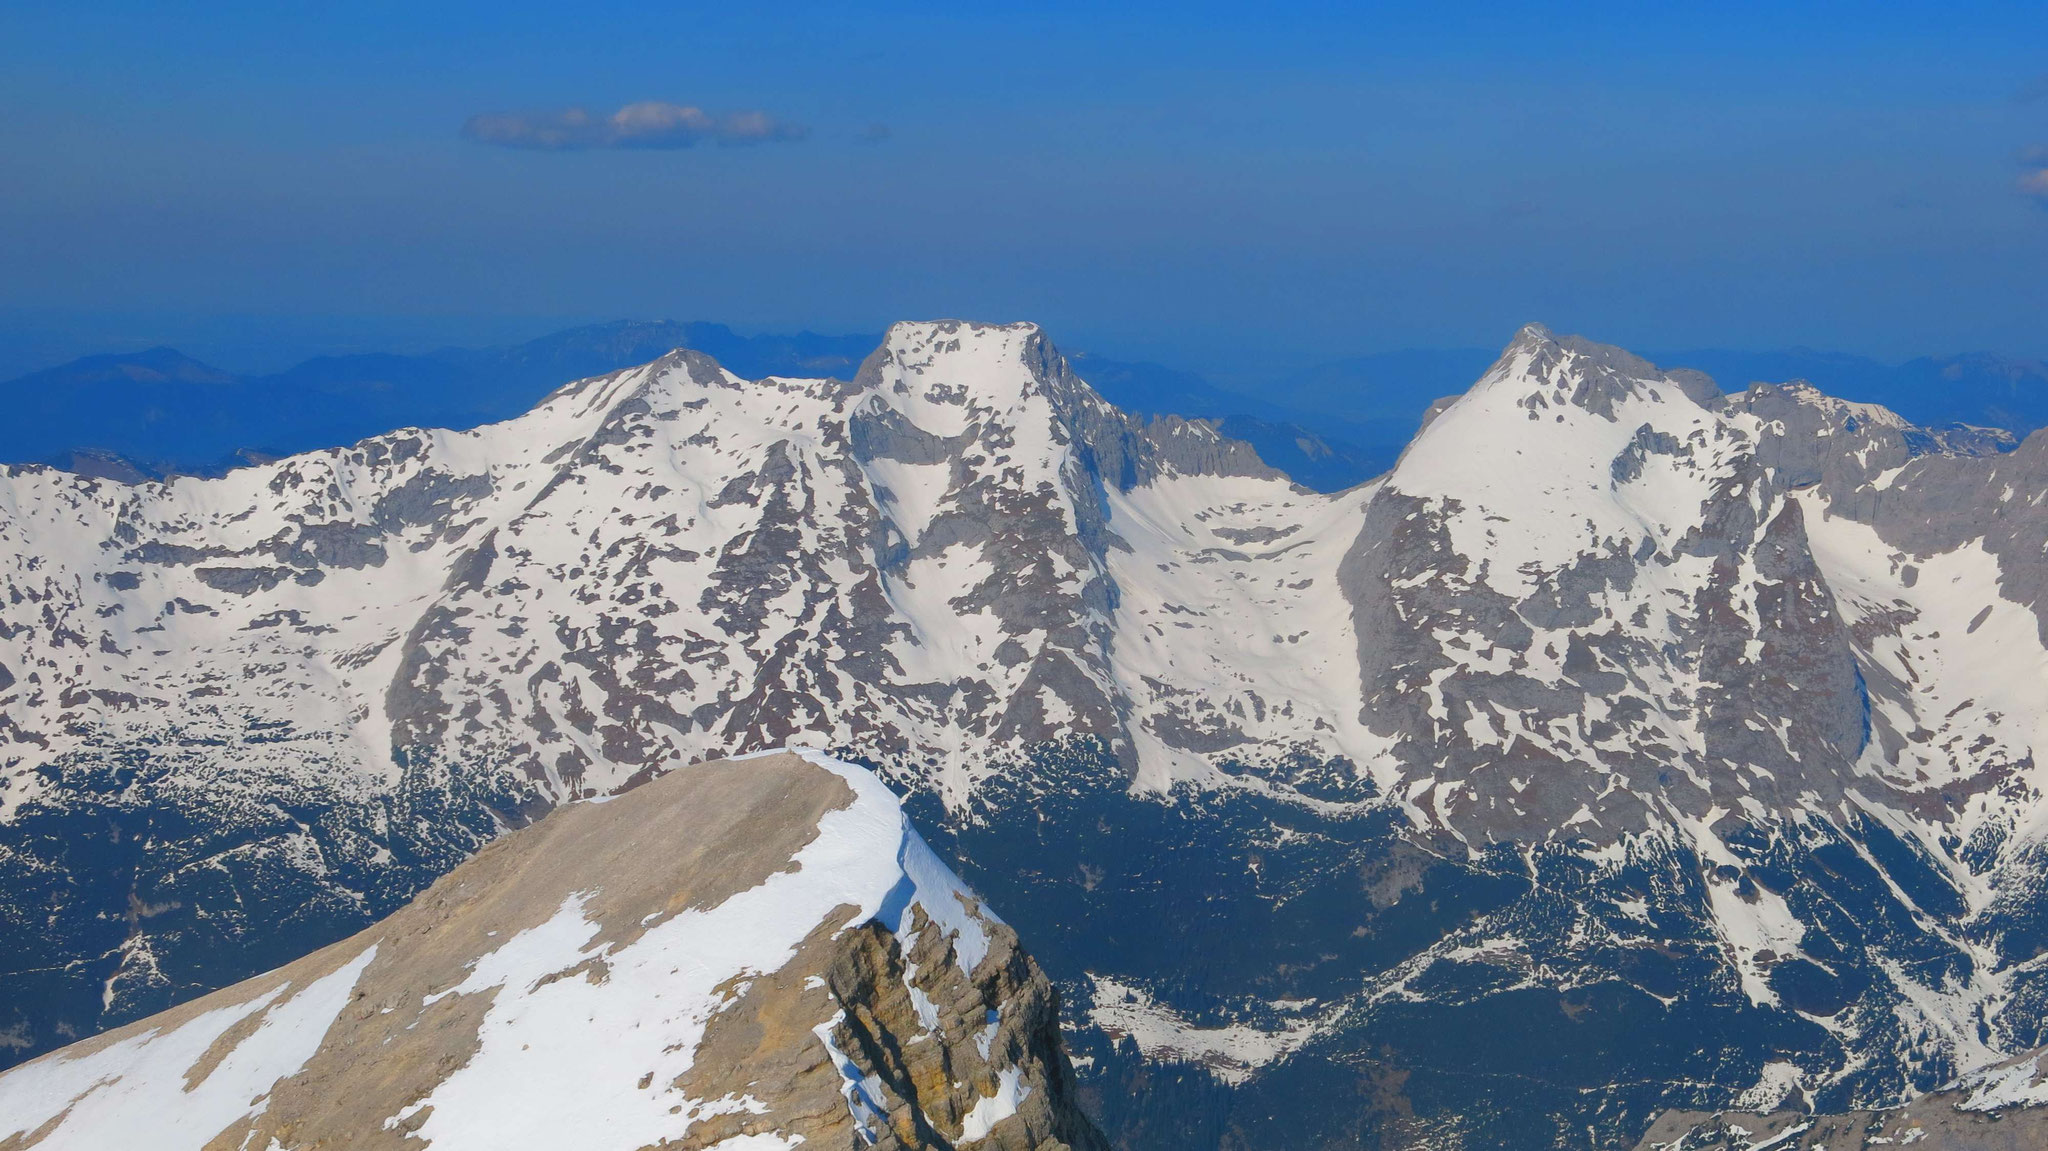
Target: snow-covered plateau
x=1631 y=745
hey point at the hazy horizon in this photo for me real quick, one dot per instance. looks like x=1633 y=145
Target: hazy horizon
x=258 y=345
x=1218 y=190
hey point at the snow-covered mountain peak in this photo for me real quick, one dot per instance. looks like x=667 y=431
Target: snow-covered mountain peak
x=958 y=364
x=947 y=378
x=1565 y=449
x=997 y=397
x=1544 y=372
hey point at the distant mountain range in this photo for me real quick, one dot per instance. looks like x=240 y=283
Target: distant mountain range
x=156 y=412
x=1377 y=401
x=1976 y=388
x=1631 y=747
x=159 y=410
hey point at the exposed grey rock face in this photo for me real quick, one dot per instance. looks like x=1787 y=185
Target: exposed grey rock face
x=1703 y=723
x=1628 y=587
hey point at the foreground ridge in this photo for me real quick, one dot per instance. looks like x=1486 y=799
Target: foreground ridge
x=755 y=952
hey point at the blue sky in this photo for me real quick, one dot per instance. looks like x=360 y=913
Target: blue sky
x=1215 y=186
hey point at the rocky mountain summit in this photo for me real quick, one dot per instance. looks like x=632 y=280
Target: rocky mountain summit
x=754 y=953
x=1629 y=747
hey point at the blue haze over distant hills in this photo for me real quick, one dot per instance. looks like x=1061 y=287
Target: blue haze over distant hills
x=157 y=411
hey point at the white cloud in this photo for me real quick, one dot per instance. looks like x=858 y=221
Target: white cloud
x=645 y=124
